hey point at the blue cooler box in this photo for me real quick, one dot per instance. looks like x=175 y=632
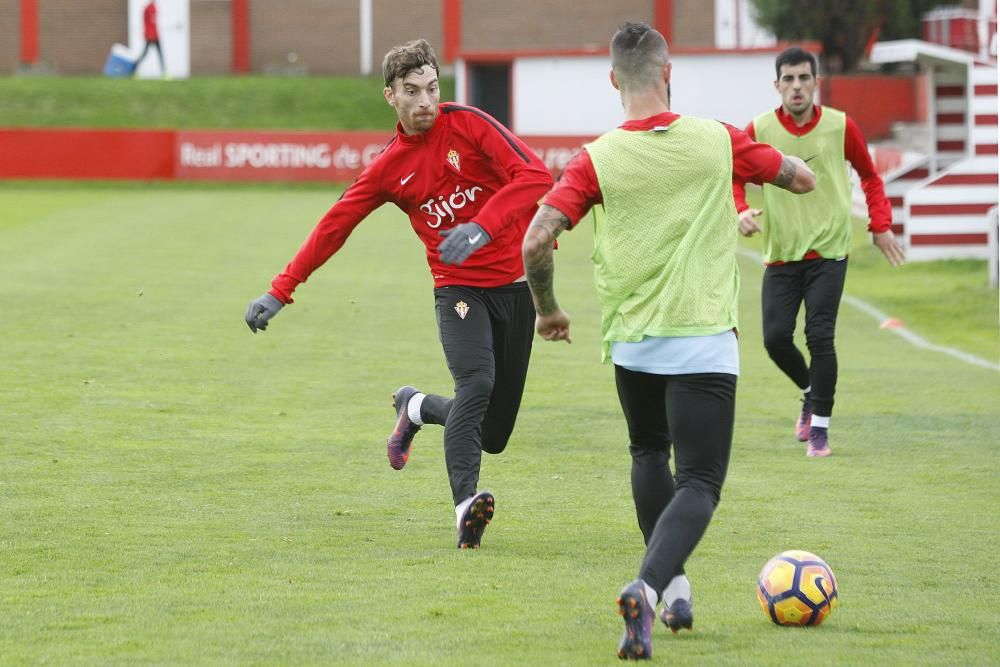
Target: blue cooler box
x=118 y=64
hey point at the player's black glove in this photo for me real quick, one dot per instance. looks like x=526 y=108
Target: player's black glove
x=461 y=241
x=261 y=310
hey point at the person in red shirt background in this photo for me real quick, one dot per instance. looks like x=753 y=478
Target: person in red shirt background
x=462 y=177
x=152 y=35
x=812 y=279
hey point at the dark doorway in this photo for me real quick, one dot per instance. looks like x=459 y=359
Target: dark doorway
x=489 y=89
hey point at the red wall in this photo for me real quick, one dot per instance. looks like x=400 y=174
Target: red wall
x=875 y=102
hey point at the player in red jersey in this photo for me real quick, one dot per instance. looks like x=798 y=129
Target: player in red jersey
x=462 y=177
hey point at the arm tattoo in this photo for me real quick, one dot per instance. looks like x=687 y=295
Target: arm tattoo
x=539 y=263
x=786 y=174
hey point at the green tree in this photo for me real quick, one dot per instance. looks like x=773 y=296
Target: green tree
x=844 y=27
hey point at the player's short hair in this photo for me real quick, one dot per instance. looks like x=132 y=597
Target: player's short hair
x=638 y=54
x=403 y=59
x=794 y=56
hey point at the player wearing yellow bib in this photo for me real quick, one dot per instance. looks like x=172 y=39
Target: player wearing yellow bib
x=667 y=281
x=807 y=239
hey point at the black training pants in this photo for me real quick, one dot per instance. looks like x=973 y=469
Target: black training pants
x=145 y=50
x=486 y=334
x=819 y=283
x=694 y=414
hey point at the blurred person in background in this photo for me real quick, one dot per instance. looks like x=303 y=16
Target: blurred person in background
x=661 y=186
x=469 y=187
x=807 y=239
x=151 y=33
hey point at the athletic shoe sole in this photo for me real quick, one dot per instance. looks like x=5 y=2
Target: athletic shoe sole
x=678 y=616
x=397 y=446
x=636 y=643
x=474 y=520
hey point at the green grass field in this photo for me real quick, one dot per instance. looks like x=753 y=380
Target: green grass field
x=252 y=102
x=176 y=490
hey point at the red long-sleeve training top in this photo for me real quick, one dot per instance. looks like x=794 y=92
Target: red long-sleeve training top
x=467 y=167
x=149 y=23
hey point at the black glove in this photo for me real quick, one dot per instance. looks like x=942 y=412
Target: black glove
x=261 y=310
x=461 y=241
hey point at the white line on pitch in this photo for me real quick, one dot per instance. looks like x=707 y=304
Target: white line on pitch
x=901 y=331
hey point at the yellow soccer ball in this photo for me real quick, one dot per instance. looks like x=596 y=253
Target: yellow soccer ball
x=797 y=588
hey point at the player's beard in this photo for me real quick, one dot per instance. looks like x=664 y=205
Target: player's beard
x=423 y=121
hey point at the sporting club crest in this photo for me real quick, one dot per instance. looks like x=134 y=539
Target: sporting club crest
x=462 y=308
x=453 y=159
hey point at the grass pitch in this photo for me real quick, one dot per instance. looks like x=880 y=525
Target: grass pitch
x=176 y=490
x=199 y=103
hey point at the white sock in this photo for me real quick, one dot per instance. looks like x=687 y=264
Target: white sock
x=650 y=594
x=820 y=422
x=460 y=510
x=413 y=408
x=678 y=588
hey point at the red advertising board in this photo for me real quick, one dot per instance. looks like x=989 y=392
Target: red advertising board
x=213 y=155
x=556 y=151
x=299 y=156
x=126 y=154
x=275 y=156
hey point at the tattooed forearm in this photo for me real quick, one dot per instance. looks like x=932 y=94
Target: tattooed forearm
x=795 y=175
x=786 y=174
x=549 y=220
x=540 y=281
x=539 y=263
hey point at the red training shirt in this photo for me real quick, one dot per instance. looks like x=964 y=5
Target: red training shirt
x=856 y=152
x=149 y=22
x=578 y=190
x=467 y=167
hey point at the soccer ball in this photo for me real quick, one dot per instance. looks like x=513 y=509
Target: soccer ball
x=797 y=588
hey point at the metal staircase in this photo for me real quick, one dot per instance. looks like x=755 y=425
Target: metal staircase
x=943 y=203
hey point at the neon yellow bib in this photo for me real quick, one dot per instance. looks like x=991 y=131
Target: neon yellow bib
x=819 y=220
x=665 y=248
